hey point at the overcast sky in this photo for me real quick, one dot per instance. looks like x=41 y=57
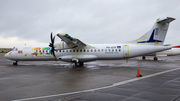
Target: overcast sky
x=91 y=21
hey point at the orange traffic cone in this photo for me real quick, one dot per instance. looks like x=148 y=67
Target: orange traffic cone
x=138 y=74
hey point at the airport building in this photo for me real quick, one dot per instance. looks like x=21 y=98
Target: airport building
x=5 y=50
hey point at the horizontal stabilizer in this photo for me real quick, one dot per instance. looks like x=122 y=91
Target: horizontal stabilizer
x=165 y=20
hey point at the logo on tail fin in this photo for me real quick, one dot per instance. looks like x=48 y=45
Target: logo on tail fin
x=151 y=40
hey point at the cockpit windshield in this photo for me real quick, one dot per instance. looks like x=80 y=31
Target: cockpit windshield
x=13 y=49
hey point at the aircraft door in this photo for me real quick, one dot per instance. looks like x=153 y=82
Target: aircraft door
x=125 y=51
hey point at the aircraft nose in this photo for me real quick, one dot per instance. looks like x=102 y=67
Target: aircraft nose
x=6 y=55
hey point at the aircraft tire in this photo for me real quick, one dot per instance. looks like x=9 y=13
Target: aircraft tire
x=155 y=58
x=78 y=64
x=15 y=63
x=81 y=64
x=143 y=57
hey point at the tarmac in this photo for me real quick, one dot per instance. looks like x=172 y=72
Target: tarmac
x=113 y=80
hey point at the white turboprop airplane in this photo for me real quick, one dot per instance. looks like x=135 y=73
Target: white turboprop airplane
x=73 y=50
x=175 y=50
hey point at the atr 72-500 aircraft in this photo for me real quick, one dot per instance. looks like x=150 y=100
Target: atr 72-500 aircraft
x=73 y=50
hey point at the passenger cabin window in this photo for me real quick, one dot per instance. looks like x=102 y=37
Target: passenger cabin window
x=73 y=50
x=70 y=50
x=84 y=50
x=77 y=50
x=98 y=50
x=67 y=50
x=87 y=50
x=91 y=50
x=80 y=50
x=102 y=50
x=95 y=50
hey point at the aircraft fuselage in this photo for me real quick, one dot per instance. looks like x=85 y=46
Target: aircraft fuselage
x=89 y=53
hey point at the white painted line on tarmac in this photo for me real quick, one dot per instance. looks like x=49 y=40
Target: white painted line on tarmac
x=91 y=90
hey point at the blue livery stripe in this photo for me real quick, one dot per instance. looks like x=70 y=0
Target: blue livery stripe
x=151 y=39
x=118 y=46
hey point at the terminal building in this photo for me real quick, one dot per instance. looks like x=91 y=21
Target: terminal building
x=5 y=50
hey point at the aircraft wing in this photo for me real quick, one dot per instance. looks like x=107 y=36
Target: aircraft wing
x=73 y=42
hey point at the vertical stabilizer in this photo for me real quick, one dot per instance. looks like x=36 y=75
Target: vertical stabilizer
x=157 y=34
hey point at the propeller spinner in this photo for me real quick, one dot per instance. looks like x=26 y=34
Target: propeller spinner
x=52 y=45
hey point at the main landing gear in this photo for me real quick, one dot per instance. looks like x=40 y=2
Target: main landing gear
x=144 y=57
x=77 y=62
x=15 y=63
x=155 y=58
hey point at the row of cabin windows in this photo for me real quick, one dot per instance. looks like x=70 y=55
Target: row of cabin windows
x=85 y=50
x=44 y=51
x=90 y=50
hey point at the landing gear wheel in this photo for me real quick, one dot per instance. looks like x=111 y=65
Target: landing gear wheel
x=155 y=58
x=15 y=63
x=144 y=57
x=81 y=64
x=78 y=64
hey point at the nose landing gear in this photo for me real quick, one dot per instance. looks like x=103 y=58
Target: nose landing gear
x=15 y=63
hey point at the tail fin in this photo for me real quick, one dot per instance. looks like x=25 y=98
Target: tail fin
x=157 y=34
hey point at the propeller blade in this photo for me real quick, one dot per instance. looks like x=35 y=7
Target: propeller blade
x=53 y=54
x=51 y=37
x=52 y=45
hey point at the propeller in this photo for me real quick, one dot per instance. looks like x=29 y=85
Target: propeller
x=52 y=45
